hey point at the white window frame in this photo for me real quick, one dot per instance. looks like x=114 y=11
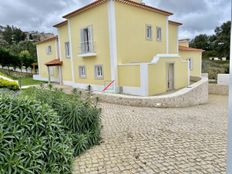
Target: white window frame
x=82 y=72
x=190 y=63
x=98 y=75
x=158 y=33
x=67 y=49
x=86 y=44
x=49 y=50
x=148 y=33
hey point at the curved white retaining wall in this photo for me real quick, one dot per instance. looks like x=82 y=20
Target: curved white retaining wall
x=195 y=94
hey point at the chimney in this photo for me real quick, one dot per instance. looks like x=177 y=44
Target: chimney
x=184 y=42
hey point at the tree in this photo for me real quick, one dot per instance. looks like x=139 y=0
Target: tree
x=26 y=59
x=201 y=41
x=217 y=45
x=13 y=34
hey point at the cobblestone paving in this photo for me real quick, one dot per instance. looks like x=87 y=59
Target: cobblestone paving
x=165 y=141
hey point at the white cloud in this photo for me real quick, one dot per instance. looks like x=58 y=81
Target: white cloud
x=198 y=16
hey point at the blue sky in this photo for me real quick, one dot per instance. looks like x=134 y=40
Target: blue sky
x=198 y=16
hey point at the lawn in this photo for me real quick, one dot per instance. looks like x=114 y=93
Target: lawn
x=24 y=79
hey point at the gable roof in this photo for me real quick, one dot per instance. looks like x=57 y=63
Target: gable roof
x=47 y=40
x=127 y=2
x=183 y=48
x=54 y=62
x=60 y=24
x=175 y=23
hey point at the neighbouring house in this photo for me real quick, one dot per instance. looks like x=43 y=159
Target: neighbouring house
x=121 y=46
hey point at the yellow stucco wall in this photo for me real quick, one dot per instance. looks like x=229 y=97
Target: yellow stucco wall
x=131 y=24
x=129 y=75
x=158 y=75
x=172 y=38
x=43 y=57
x=97 y=17
x=196 y=61
x=66 y=67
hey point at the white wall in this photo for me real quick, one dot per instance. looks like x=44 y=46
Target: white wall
x=223 y=79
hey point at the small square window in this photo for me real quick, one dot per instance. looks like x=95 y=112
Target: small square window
x=82 y=72
x=67 y=49
x=49 y=50
x=98 y=72
x=158 y=34
x=148 y=32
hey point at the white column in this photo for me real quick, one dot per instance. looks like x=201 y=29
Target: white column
x=60 y=75
x=71 y=50
x=49 y=76
x=113 y=43
x=144 y=79
x=229 y=149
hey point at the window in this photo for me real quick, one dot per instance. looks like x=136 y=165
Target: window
x=148 y=32
x=98 y=72
x=49 y=50
x=158 y=34
x=67 y=49
x=87 y=40
x=82 y=72
x=190 y=63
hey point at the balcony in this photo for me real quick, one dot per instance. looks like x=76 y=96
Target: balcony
x=87 y=49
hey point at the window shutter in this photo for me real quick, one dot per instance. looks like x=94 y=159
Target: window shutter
x=90 y=33
x=82 y=44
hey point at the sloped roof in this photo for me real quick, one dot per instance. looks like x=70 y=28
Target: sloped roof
x=47 y=40
x=54 y=62
x=128 y=2
x=60 y=24
x=183 y=48
x=174 y=22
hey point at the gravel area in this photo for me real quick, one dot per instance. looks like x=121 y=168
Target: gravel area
x=140 y=140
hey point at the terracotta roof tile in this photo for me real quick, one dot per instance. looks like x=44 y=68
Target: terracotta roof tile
x=60 y=24
x=54 y=62
x=128 y=2
x=182 y=48
x=174 y=22
x=46 y=40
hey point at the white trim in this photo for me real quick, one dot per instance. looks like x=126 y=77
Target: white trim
x=59 y=45
x=84 y=86
x=189 y=73
x=156 y=58
x=229 y=133
x=167 y=35
x=88 y=55
x=56 y=48
x=132 y=90
x=144 y=79
x=37 y=77
x=71 y=51
x=68 y=83
x=177 y=41
x=113 y=43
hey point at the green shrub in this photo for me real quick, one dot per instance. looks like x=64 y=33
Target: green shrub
x=12 y=85
x=80 y=117
x=32 y=138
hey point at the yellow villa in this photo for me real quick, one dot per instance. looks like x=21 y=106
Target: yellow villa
x=119 y=46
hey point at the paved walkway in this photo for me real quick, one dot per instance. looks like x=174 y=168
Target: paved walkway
x=165 y=141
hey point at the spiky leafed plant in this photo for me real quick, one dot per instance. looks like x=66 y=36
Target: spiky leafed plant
x=32 y=138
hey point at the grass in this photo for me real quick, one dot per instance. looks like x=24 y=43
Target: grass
x=27 y=81
x=23 y=81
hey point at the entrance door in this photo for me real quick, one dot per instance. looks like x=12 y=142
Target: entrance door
x=170 y=79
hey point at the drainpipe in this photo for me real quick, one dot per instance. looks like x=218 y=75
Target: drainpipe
x=229 y=148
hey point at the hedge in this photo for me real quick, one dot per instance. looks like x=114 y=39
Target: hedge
x=12 y=85
x=32 y=138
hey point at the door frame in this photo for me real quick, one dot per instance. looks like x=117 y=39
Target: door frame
x=167 y=75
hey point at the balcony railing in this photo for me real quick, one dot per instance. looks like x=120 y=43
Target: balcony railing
x=87 y=49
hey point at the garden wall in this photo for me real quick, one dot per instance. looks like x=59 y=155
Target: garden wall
x=218 y=89
x=195 y=94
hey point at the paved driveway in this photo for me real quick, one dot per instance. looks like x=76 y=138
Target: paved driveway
x=165 y=141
